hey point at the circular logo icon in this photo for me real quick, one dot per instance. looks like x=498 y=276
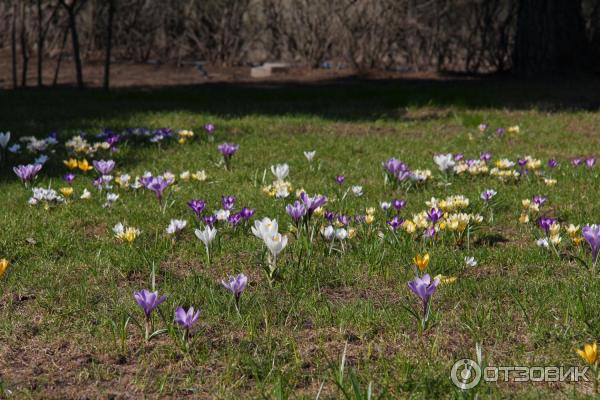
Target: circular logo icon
x=465 y=374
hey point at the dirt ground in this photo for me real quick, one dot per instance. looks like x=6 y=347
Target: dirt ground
x=125 y=74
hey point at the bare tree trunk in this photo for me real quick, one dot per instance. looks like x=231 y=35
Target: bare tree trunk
x=13 y=46
x=40 y=44
x=24 y=45
x=60 y=56
x=109 y=28
x=72 y=14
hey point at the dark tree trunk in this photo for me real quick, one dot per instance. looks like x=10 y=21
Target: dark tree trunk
x=109 y=28
x=40 y=44
x=72 y=14
x=13 y=46
x=550 y=38
x=24 y=45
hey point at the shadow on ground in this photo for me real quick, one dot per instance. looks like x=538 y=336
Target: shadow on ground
x=37 y=111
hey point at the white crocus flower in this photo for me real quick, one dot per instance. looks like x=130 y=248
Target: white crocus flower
x=310 y=155
x=111 y=198
x=341 y=234
x=118 y=229
x=222 y=215
x=265 y=228
x=385 y=205
x=85 y=195
x=281 y=171
x=276 y=243
x=543 y=242
x=4 y=139
x=207 y=235
x=444 y=161
x=175 y=226
x=357 y=190
x=328 y=232
x=470 y=261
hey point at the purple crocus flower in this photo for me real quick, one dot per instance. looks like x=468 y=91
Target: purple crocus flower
x=539 y=200
x=576 y=162
x=104 y=167
x=296 y=210
x=148 y=301
x=591 y=233
x=487 y=195
x=228 y=149
x=399 y=204
x=186 y=319
x=522 y=162
x=552 y=163
x=69 y=178
x=209 y=128
x=483 y=126
x=247 y=213
x=236 y=285
x=499 y=131
x=228 y=202
x=458 y=156
x=234 y=219
x=312 y=203
x=435 y=215
x=424 y=288
x=329 y=216
x=485 y=156
x=27 y=172
x=210 y=220
x=157 y=184
x=197 y=206
x=343 y=219
x=590 y=162
x=546 y=223
x=395 y=223
x=429 y=232
x=340 y=179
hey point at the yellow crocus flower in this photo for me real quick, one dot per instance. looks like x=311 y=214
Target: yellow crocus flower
x=66 y=191
x=589 y=354
x=369 y=219
x=4 y=264
x=421 y=262
x=84 y=165
x=71 y=163
x=445 y=280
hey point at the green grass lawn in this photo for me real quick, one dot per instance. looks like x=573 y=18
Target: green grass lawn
x=334 y=321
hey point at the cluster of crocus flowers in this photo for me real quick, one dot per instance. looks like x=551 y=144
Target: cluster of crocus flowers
x=45 y=196
x=268 y=231
x=125 y=234
x=176 y=226
x=228 y=150
x=184 y=135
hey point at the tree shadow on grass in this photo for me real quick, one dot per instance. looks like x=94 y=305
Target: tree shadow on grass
x=37 y=111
